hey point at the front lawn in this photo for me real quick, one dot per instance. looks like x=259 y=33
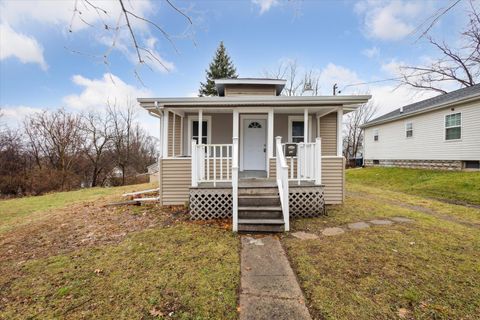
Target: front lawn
x=86 y=261
x=427 y=269
x=455 y=186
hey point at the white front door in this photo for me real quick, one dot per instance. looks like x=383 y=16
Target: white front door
x=254 y=144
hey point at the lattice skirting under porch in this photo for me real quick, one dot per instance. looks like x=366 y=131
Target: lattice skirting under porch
x=306 y=202
x=206 y=204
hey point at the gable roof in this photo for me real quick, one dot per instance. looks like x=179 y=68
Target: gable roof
x=434 y=103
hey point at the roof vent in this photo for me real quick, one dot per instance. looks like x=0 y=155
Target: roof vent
x=401 y=109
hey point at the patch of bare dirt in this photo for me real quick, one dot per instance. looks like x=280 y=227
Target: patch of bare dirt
x=80 y=226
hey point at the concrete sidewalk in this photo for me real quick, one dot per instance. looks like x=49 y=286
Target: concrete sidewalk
x=269 y=289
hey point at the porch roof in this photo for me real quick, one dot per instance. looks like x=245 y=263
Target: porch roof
x=349 y=102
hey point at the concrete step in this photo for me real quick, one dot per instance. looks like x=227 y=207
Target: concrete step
x=260 y=221
x=258 y=200
x=263 y=228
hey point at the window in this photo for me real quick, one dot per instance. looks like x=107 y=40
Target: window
x=204 y=131
x=409 y=129
x=296 y=128
x=471 y=164
x=376 y=161
x=254 y=125
x=297 y=131
x=375 y=135
x=453 y=126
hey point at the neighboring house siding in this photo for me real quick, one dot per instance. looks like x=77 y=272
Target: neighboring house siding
x=333 y=177
x=428 y=141
x=249 y=90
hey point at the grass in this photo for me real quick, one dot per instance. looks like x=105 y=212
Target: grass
x=428 y=269
x=460 y=187
x=185 y=271
x=24 y=210
x=123 y=263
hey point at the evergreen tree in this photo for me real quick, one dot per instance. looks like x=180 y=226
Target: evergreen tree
x=220 y=67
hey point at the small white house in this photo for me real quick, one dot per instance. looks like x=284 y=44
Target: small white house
x=438 y=133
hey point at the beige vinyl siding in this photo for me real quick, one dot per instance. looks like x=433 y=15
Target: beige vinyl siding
x=176 y=181
x=333 y=177
x=428 y=140
x=250 y=90
x=177 y=128
x=328 y=133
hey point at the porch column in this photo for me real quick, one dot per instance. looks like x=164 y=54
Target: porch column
x=305 y=125
x=269 y=139
x=200 y=126
x=318 y=126
x=165 y=134
x=339 y=131
x=235 y=124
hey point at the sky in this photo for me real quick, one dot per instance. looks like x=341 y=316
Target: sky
x=52 y=56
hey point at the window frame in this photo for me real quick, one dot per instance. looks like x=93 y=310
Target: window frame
x=292 y=119
x=445 y=127
x=191 y=119
x=376 y=133
x=406 y=130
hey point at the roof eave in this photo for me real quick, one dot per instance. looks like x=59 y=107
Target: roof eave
x=425 y=110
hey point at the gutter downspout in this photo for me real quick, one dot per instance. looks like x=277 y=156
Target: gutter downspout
x=160 y=151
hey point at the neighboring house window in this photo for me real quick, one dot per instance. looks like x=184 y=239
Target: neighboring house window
x=409 y=129
x=296 y=128
x=375 y=135
x=453 y=126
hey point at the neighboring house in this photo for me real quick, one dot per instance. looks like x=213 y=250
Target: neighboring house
x=228 y=165
x=152 y=172
x=438 y=133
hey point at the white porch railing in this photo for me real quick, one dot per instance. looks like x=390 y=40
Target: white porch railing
x=282 y=182
x=211 y=163
x=217 y=163
x=306 y=166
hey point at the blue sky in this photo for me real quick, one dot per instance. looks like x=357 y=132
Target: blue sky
x=345 y=42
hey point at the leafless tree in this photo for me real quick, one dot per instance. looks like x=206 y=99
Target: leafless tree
x=297 y=82
x=97 y=134
x=54 y=136
x=458 y=65
x=353 y=133
x=125 y=23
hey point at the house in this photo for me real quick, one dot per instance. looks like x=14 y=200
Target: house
x=252 y=154
x=442 y=132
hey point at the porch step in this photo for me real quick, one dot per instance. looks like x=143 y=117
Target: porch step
x=259 y=200
x=259 y=212
x=264 y=228
x=260 y=221
x=243 y=191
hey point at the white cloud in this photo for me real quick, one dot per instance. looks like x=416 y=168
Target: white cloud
x=332 y=74
x=390 y=20
x=13 y=116
x=97 y=92
x=20 y=46
x=372 y=52
x=265 y=5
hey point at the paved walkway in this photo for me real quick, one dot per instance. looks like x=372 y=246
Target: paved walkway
x=269 y=289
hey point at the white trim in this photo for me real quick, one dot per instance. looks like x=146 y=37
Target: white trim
x=249 y=117
x=300 y=119
x=340 y=132
x=192 y=118
x=250 y=81
x=445 y=126
x=166 y=117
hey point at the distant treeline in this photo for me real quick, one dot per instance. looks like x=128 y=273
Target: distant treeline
x=59 y=150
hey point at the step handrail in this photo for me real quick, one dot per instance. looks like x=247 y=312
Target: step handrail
x=235 y=184
x=282 y=182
